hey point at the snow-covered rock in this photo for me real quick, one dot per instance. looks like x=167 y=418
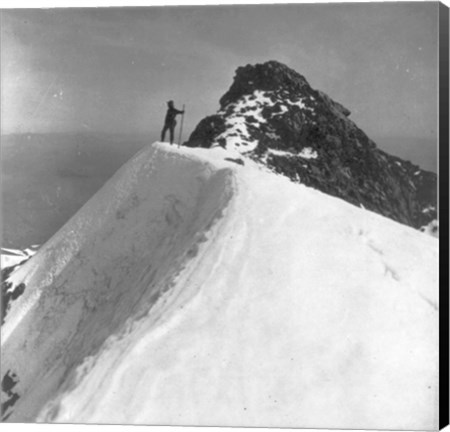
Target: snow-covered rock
x=11 y=257
x=191 y=290
x=432 y=228
x=11 y=261
x=271 y=114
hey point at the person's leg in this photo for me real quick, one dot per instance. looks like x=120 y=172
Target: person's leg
x=171 y=130
x=163 y=133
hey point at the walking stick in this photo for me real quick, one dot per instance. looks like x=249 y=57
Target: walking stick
x=181 y=128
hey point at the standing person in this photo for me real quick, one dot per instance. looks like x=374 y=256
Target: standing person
x=169 y=122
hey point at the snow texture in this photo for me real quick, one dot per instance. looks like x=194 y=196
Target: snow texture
x=11 y=257
x=195 y=291
x=305 y=153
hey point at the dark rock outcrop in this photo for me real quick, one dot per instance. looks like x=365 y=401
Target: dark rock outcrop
x=10 y=292
x=271 y=114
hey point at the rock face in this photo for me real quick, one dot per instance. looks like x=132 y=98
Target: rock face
x=12 y=260
x=271 y=114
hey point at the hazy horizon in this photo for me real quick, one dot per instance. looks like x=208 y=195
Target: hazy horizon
x=415 y=150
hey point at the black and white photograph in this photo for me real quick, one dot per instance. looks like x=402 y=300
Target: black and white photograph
x=222 y=215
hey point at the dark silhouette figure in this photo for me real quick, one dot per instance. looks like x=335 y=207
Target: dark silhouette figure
x=170 y=122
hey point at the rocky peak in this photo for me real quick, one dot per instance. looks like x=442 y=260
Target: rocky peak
x=271 y=114
x=270 y=77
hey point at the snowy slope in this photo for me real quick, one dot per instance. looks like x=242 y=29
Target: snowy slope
x=193 y=290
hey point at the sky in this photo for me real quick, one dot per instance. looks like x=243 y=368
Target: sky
x=113 y=69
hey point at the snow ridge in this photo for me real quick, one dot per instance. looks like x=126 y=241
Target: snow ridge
x=194 y=290
x=117 y=257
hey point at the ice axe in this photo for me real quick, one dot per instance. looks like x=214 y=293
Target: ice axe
x=181 y=127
